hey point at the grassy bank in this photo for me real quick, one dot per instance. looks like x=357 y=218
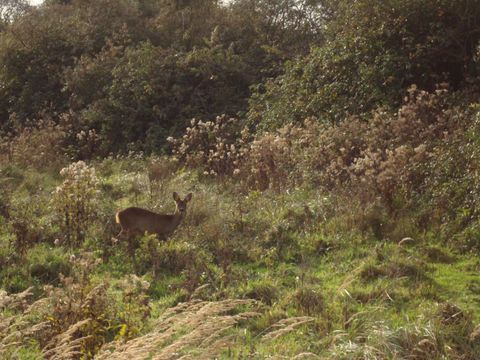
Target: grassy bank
x=326 y=275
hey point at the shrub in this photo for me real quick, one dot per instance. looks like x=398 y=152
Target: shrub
x=39 y=145
x=79 y=313
x=373 y=51
x=269 y=161
x=75 y=201
x=142 y=106
x=452 y=188
x=224 y=147
x=215 y=146
x=384 y=155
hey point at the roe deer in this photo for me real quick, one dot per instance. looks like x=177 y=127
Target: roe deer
x=136 y=221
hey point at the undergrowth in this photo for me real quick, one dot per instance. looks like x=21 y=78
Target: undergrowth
x=315 y=241
x=315 y=277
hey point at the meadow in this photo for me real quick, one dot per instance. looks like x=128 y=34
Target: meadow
x=331 y=149
x=292 y=270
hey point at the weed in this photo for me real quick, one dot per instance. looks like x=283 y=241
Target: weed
x=309 y=300
x=264 y=290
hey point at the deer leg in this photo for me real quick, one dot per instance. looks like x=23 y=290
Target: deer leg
x=129 y=235
x=152 y=246
x=122 y=234
x=113 y=241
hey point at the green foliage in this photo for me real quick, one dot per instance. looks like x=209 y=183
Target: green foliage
x=263 y=290
x=47 y=265
x=143 y=103
x=130 y=73
x=373 y=52
x=292 y=245
x=38 y=47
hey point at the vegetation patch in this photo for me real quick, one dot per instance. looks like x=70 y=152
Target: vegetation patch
x=331 y=150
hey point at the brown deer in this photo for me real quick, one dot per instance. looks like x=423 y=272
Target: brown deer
x=136 y=221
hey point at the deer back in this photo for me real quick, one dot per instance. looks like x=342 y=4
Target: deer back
x=140 y=220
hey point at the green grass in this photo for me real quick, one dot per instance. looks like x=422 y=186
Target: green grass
x=460 y=283
x=361 y=290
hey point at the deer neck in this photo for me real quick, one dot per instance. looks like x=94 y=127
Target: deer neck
x=177 y=218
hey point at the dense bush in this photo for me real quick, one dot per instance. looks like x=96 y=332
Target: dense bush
x=39 y=46
x=146 y=104
x=135 y=72
x=373 y=52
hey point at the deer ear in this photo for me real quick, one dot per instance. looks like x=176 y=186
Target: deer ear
x=188 y=197
x=175 y=196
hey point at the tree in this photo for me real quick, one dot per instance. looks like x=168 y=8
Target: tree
x=38 y=47
x=12 y=9
x=373 y=52
x=155 y=91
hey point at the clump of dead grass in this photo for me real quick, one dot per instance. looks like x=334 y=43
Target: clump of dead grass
x=194 y=327
x=286 y=326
